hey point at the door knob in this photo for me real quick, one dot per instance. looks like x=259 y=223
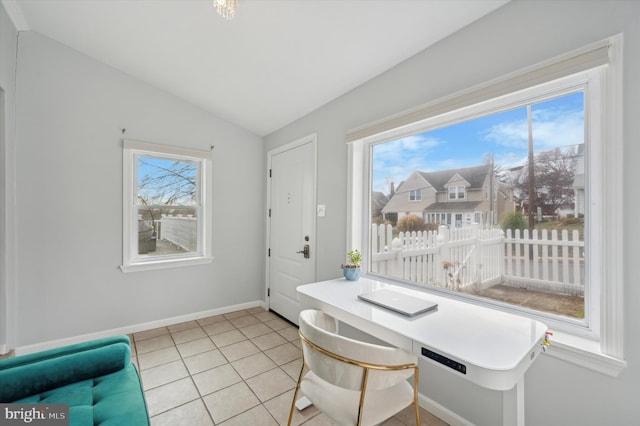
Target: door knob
x=305 y=251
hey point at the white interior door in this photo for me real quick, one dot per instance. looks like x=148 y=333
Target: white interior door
x=291 y=224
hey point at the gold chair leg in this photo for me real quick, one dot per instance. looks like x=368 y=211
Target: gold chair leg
x=363 y=390
x=295 y=395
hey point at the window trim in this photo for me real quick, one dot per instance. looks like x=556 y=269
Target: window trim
x=456 y=191
x=131 y=151
x=606 y=354
x=415 y=195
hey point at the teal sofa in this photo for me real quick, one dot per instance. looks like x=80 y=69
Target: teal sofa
x=96 y=379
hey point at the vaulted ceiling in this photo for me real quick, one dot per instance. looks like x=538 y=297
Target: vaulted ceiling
x=275 y=62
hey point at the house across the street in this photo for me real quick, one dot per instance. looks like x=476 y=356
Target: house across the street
x=454 y=197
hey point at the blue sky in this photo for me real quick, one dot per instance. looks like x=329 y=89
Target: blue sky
x=557 y=122
x=155 y=167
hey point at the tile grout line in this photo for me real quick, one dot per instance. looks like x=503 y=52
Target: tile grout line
x=198 y=325
x=277 y=367
x=201 y=398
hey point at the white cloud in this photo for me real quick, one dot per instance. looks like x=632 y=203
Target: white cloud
x=512 y=134
x=400 y=158
x=551 y=128
x=556 y=131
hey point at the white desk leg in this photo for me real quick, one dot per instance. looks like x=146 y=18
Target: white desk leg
x=513 y=405
x=303 y=402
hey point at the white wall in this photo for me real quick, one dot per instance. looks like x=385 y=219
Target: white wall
x=70 y=110
x=8 y=40
x=520 y=34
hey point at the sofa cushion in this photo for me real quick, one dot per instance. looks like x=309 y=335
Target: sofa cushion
x=96 y=379
x=116 y=399
x=36 y=377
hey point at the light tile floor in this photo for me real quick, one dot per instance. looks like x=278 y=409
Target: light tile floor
x=236 y=369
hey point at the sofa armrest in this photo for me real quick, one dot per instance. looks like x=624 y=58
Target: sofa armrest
x=35 y=373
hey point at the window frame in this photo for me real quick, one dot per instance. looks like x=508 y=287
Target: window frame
x=415 y=195
x=601 y=348
x=131 y=260
x=456 y=192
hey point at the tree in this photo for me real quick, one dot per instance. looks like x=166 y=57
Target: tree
x=554 y=172
x=164 y=184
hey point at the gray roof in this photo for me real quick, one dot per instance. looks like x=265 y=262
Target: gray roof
x=458 y=206
x=378 y=200
x=474 y=175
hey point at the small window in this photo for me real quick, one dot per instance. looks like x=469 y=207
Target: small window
x=166 y=206
x=415 y=195
x=457 y=192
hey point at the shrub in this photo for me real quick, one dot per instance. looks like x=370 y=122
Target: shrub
x=392 y=218
x=379 y=220
x=410 y=223
x=570 y=221
x=431 y=226
x=514 y=221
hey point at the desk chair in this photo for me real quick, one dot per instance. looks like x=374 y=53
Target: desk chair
x=353 y=382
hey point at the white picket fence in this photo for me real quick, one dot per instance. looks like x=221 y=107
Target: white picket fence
x=471 y=258
x=181 y=231
x=544 y=262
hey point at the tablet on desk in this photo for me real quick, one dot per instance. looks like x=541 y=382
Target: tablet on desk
x=398 y=302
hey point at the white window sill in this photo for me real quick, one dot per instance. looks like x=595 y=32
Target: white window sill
x=164 y=264
x=585 y=353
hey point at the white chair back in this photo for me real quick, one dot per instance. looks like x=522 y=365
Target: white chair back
x=319 y=329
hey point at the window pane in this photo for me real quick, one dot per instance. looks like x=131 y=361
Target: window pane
x=511 y=210
x=167 y=230
x=167 y=208
x=164 y=181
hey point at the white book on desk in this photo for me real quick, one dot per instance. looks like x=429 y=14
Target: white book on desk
x=398 y=302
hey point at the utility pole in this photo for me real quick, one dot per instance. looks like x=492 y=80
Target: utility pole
x=531 y=170
x=531 y=180
x=491 y=189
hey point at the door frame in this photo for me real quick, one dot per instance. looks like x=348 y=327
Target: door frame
x=308 y=139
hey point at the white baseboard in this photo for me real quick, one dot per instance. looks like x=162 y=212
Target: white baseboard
x=37 y=347
x=441 y=412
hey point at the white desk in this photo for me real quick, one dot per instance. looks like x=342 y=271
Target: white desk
x=490 y=348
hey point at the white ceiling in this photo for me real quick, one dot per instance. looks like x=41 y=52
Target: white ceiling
x=275 y=62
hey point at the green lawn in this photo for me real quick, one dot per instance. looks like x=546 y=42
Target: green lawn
x=570 y=226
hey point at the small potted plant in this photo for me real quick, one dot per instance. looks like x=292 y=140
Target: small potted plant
x=352 y=269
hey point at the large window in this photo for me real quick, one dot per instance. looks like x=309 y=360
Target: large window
x=530 y=180
x=522 y=245
x=166 y=206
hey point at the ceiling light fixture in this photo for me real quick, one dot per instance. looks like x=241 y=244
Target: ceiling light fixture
x=227 y=8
